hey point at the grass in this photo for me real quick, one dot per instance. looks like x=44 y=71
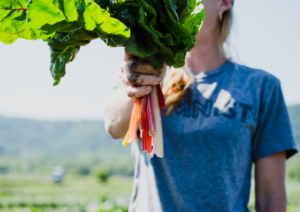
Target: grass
x=293 y=196
x=86 y=194
x=74 y=193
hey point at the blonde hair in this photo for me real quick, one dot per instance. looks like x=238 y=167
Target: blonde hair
x=175 y=84
x=177 y=81
x=225 y=25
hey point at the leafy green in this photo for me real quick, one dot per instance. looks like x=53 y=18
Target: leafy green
x=53 y=15
x=110 y=30
x=69 y=18
x=192 y=20
x=64 y=48
x=156 y=30
x=161 y=26
x=13 y=23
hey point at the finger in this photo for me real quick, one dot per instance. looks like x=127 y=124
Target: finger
x=142 y=67
x=136 y=63
x=141 y=79
x=135 y=92
x=129 y=56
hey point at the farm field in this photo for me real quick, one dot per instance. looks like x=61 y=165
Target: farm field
x=73 y=194
x=33 y=147
x=84 y=194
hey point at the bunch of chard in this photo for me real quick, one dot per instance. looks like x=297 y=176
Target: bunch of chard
x=157 y=30
x=146 y=116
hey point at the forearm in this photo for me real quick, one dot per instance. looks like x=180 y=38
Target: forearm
x=269 y=183
x=117 y=113
x=272 y=203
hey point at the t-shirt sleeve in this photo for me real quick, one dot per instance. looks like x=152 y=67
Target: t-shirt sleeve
x=274 y=132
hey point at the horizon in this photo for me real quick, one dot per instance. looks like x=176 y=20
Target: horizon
x=79 y=120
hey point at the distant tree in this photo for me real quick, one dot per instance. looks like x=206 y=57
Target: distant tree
x=84 y=171
x=4 y=169
x=102 y=174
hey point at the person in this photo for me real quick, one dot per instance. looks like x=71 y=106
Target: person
x=221 y=118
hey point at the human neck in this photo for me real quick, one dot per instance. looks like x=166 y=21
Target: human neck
x=207 y=55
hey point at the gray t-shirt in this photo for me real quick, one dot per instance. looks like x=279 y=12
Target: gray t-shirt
x=228 y=119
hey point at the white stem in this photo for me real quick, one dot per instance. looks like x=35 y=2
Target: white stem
x=159 y=147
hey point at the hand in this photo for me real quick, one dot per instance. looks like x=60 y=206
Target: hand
x=139 y=76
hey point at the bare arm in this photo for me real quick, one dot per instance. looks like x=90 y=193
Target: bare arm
x=269 y=183
x=117 y=113
x=118 y=107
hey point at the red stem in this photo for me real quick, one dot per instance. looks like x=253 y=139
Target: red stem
x=144 y=102
x=145 y=132
x=161 y=99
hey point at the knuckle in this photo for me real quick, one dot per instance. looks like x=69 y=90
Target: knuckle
x=147 y=89
x=130 y=66
x=140 y=67
x=131 y=94
x=133 y=77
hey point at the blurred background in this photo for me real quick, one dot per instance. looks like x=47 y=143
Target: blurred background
x=54 y=152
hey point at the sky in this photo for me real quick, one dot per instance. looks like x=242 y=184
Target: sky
x=265 y=35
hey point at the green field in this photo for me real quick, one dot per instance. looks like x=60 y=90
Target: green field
x=73 y=194
x=32 y=148
x=85 y=194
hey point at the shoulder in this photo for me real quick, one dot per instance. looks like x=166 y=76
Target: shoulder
x=255 y=76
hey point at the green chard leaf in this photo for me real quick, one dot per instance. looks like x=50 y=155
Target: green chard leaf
x=102 y=3
x=194 y=21
x=112 y=31
x=185 y=8
x=76 y=23
x=53 y=15
x=70 y=15
x=60 y=56
x=156 y=30
x=64 y=48
x=138 y=45
x=13 y=23
x=146 y=41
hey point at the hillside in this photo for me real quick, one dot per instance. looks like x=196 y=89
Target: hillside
x=30 y=145
x=38 y=145
x=54 y=137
